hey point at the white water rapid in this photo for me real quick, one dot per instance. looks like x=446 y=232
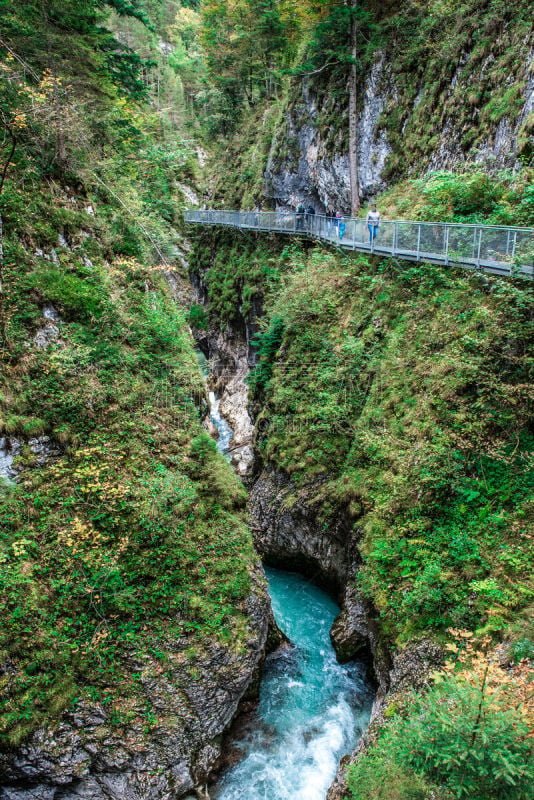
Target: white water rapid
x=312 y=710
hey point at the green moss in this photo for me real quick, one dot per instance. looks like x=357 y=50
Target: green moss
x=134 y=537
x=468 y=195
x=238 y=272
x=387 y=394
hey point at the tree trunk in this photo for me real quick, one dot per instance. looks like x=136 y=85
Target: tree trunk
x=353 y=115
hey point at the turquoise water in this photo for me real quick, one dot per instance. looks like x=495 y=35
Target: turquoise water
x=312 y=710
x=225 y=431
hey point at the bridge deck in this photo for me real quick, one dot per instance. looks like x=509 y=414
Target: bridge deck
x=498 y=249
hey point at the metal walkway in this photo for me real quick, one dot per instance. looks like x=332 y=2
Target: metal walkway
x=490 y=248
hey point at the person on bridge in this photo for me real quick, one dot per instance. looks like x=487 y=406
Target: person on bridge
x=373 y=222
x=310 y=212
x=342 y=227
x=330 y=216
x=300 y=217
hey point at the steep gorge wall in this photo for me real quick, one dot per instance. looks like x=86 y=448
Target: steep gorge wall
x=285 y=520
x=110 y=686
x=369 y=371
x=87 y=756
x=464 y=95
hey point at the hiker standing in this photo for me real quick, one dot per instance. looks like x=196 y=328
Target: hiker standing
x=373 y=222
x=300 y=217
x=310 y=212
x=330 y=216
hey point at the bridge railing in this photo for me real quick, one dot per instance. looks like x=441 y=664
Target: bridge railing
x=499 y=249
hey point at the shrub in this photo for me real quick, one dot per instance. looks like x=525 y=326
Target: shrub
x=267 y=345
x=521 y=649
x=469 y=733
x=198 y=318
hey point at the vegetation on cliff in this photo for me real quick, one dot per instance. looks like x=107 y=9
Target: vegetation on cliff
x=452 y=74
x=400 y=397
x=406 y=390
x=467 y=737
x=397 y=395
x=123 y=537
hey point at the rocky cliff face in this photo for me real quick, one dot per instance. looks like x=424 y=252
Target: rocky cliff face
x=312 y=165
x=287 y=533
x=86 y=757
x=399 y=131
x=231 y=357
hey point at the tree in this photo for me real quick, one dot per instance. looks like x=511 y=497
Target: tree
x=244 y=44
x=353 y=113
x=336 y=46
x=470 y=734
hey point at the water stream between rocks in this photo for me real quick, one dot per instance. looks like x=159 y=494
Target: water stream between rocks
x=312 y=710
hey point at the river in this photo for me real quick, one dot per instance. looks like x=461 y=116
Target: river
x=312 y=710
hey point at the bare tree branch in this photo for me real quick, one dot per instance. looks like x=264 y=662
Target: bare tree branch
x=20 y=60
x=317 y=71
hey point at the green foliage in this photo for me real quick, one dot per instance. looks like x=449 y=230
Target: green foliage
x=448 y=59
x=521 y=649
x=236 y=273
x=78 y=298
x=130 y=543
x=134 y=536
x=198 y=317
x=445 y=60
x=48 y=33
x=464 y=196
x=458 y=736
x=244 y=43
x=389 y=394
x=267 y=345
x=382 y=776
x=330 y=41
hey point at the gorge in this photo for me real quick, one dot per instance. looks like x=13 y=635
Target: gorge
x=266 y=503
x=311 y=710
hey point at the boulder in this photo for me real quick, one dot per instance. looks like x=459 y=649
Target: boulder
x=349 y=633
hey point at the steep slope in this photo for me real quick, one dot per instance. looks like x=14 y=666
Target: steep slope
x=393 y=414
x=440 y=85
x=134 y=611
x=134 y=614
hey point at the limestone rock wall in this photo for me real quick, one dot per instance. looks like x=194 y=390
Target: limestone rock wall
x=308 y=160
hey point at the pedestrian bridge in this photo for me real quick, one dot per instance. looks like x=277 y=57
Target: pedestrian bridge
x=498 y=249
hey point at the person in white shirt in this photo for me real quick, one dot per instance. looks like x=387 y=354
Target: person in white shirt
x=373 y=221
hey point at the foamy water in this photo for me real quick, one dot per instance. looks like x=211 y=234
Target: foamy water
x=312 y=710
x=225 y=431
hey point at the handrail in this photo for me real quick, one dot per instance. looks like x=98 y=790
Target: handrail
x=497 y=249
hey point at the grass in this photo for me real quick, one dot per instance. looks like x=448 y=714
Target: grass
x=134 y=538
x=398 y=396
